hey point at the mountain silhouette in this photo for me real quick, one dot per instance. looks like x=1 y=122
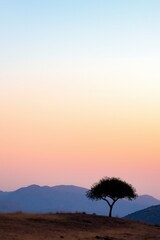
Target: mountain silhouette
x=66 y=198
x=149 y=215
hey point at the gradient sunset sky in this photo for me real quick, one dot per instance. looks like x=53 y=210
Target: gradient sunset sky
x=80 y=92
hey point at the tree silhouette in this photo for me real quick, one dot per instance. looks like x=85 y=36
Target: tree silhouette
x=111 y=190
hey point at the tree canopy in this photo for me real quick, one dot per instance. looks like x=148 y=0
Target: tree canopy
x=111 y=190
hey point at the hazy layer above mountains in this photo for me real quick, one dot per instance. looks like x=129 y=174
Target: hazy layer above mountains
x=66 y=198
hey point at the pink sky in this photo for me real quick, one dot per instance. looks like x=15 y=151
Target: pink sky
x=59 y=138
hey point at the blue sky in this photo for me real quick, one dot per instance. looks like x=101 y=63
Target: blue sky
x=79 y=28
x=50 y=37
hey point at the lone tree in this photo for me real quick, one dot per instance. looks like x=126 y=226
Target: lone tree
x=111 y=190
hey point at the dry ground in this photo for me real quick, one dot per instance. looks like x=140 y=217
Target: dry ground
x=73 y=227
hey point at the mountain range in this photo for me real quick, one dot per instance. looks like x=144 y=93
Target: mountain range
x=66 y=198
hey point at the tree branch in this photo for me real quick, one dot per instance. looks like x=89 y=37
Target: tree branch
x=106 y=200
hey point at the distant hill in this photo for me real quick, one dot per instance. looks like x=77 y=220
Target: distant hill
x=66 y=198
x=149 y=215
x=123 y=206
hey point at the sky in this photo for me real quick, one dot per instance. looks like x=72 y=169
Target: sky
x=80 y=93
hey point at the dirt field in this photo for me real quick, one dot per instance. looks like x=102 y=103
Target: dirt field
x=72 y=227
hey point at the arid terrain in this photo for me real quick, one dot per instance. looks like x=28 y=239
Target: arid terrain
x=72 y=226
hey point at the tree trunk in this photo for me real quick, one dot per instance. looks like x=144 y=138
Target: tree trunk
x=110 y=205
x=110 y=210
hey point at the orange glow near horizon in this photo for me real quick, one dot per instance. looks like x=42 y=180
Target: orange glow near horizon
x=77 y=143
